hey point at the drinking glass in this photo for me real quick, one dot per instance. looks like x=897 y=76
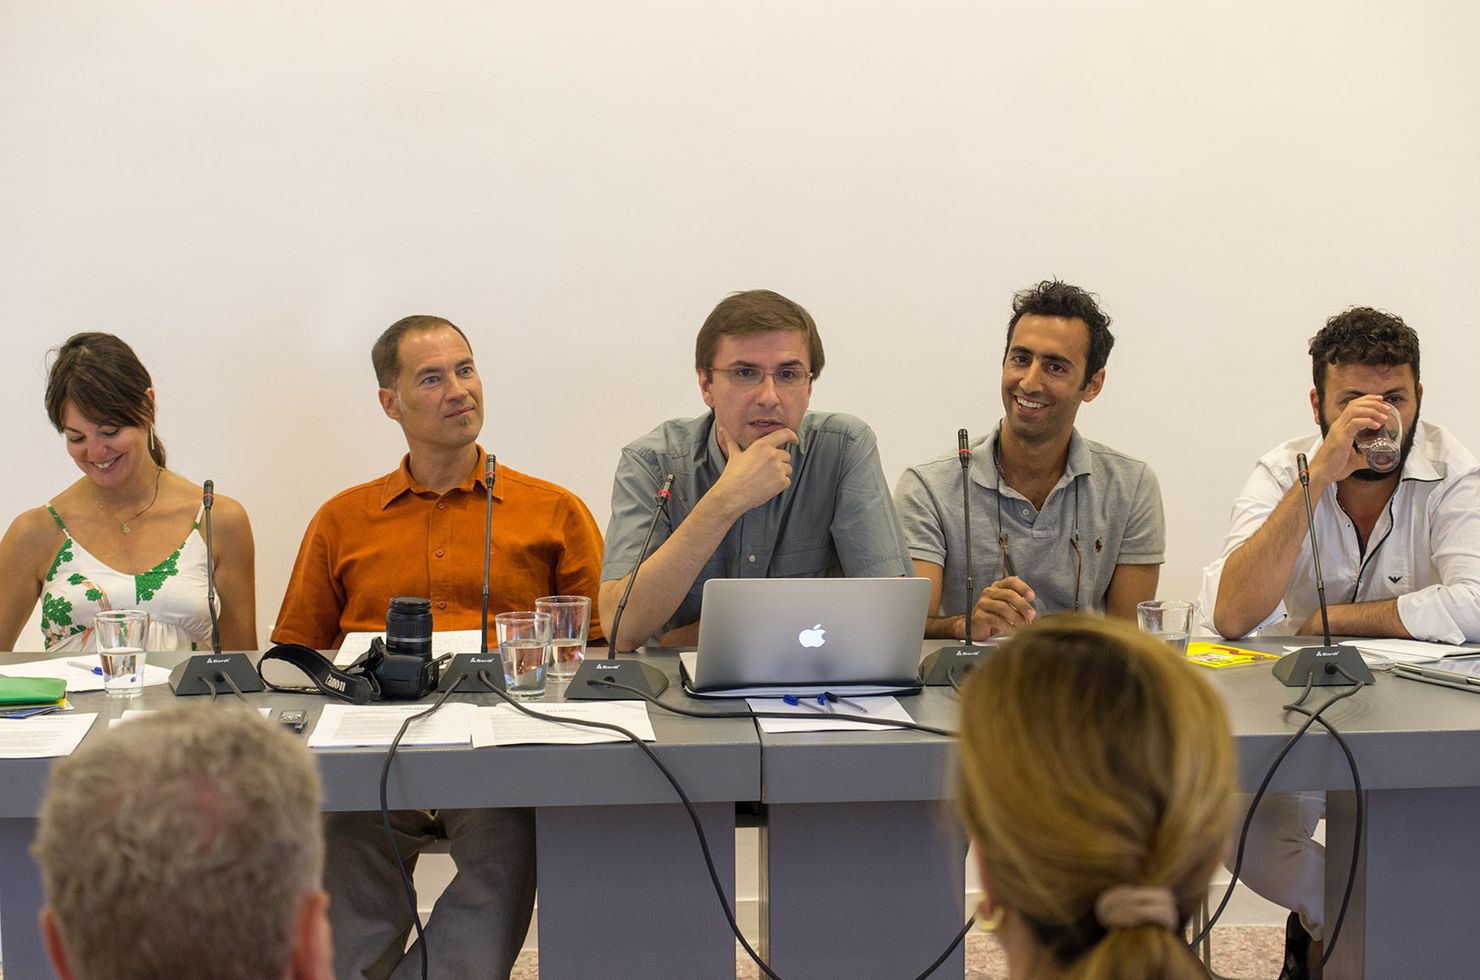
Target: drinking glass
x=1383 y=447
x=524 y=645
x=570 y=619
x=123 y=636
x=1167 y=619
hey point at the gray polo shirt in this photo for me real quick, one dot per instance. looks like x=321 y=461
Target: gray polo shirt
x=1115 y=500
x=835 y=519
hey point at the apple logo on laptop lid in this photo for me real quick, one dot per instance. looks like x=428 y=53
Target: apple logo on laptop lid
x=812 y=637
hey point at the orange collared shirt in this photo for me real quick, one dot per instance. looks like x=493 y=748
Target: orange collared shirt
x=392 y=537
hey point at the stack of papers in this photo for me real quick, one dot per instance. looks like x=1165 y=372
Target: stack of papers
x=78 y=677
x=349 y=725
x=443 y=641
x=886 y=708
x=1383 y=653
x=505 y=724
x=43 y=738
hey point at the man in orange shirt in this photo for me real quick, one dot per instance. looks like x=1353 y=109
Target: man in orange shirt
x=418 y=531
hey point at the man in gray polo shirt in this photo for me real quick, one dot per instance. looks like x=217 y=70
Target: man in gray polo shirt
x=761 y=487
x=1059 y=522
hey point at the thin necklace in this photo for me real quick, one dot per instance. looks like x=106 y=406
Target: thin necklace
x=124 y=525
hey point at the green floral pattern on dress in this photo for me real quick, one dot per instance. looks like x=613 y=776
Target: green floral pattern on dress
x=150 y=582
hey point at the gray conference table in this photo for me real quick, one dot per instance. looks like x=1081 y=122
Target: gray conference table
x=862 y=856
x=623 y=890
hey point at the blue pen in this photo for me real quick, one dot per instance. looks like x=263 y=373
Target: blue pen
x=797 y=702
x=85 y=665
x=830 y=696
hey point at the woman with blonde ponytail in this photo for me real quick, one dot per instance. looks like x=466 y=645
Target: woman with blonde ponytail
x=1096 y=781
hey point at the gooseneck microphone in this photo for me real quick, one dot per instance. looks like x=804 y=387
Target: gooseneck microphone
x=200 y=674
x=1315 y=551
x=207 y=501
x=963 y=450
x=590 y=680
x=469 y=665
x=490 y=471
x=948 y=664
x=1328 y=663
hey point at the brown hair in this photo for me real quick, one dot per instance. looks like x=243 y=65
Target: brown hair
x=385 y=355
x=752 y=312
x=102 y=377
x=1092 y=757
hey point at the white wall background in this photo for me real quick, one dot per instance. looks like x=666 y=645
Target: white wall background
x=249 y=193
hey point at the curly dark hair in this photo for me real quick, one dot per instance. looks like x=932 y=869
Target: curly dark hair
x=1362 y=335
x=1051 y=297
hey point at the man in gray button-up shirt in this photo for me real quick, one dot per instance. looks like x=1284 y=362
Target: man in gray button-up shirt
x=1060 y=522
x=761 y=486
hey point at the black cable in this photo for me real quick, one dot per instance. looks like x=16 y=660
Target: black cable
x=689 y=806
x=231 y=682
x=1243 y=837
x=677 y=788
x=880 y=723
x=1358 y=832
x=390 y=834
x=954 y=675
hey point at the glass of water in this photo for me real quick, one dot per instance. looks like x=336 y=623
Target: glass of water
x=123 y=636
x=524 y=645
x=1167 y=619
x=1383 y=446
x=570 y=619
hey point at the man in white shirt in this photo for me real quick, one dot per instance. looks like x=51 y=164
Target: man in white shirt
x=1400 y=553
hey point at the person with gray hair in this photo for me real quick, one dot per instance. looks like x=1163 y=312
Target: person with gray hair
x=185 y=844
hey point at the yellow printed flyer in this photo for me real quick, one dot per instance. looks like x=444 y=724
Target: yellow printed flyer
x=1220 y=655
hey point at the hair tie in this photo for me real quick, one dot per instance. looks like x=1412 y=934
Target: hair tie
x=1129 y=906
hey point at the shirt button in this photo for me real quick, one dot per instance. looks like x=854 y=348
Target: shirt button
x=752 y=559
x=441 y=505
x=439 y=552
x=1025 y=512
x=441 y=603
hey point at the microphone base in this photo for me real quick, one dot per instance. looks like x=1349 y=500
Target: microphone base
x=465 y=667
x=589 y=682
x=189 y=676
x=1294 y=669
x=938 y=669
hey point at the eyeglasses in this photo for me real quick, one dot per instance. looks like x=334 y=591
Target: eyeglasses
x=750 y=377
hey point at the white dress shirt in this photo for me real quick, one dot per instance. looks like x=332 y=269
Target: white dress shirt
x=1424 y=550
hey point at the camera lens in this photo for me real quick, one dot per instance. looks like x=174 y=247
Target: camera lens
x=408 y=627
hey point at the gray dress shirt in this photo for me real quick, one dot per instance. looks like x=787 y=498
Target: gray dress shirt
x=835 y=519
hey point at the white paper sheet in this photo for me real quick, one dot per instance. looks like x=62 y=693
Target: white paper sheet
x=504 y=724
x=1380 y=652
x=807 y=719
x=347 y=725
x=44 y=736
x=79 y=679
x=443 y=641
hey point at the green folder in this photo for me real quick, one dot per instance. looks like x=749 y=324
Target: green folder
x=31 y=690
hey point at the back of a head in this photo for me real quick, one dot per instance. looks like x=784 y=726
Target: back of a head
x=1092 y=759
x=181 y=845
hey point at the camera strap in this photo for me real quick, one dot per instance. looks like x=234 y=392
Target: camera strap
x=355 y=685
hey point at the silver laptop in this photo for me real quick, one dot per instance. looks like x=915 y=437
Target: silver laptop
x=802 y=636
